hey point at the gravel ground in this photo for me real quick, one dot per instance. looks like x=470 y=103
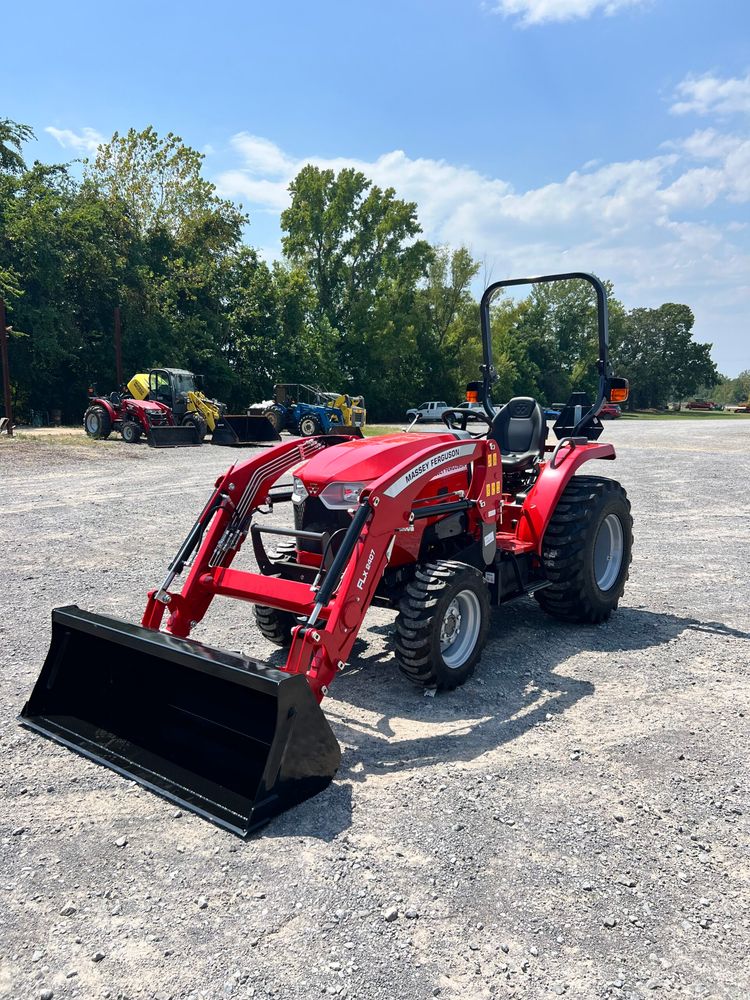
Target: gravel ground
x=571 y=822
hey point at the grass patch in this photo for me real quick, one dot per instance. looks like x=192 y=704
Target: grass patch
x=375 y=430
x=58 y=438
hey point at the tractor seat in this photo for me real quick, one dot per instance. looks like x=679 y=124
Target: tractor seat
x=520 y=430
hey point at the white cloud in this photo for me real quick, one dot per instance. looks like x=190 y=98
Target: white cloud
x=543 y=11
x=709 y=94
x=85 y=141
x=647 y=224
x=260 y=154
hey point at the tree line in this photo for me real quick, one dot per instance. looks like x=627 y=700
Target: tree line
x=359 y=302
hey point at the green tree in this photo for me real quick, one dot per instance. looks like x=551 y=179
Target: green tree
x=12 y=137
x=160 y=183
x=447 y=326
x=358 y=246
x=655 y=349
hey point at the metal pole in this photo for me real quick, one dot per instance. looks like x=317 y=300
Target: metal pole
x=118 y=347
x=6 y=369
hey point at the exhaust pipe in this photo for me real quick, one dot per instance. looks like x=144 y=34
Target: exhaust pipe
x=223 y=735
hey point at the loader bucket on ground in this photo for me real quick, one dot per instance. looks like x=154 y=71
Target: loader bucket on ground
x=168 y=436
x=355 y=432
x=237 y=429
x=228 y=737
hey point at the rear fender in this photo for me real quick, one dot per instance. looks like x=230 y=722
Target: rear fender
x=106 y=405
x=544 y=496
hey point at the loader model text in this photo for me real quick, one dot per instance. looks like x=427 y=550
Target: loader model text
x=368 y=565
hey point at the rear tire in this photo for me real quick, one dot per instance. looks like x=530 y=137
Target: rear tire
x=587 y=551
x=309 y=426
x=442 y=624
x=275 y=417
x=131 y=432
x=275 y=625
x=97 y=423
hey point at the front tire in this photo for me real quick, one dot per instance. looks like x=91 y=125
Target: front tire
x=275 y=625
x=197 y=421
x=309 y=426
x=587 y=551
x=442 y=624
x=97 y=423
x=131 y=432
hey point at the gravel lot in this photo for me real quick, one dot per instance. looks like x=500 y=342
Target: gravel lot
x=571 y=822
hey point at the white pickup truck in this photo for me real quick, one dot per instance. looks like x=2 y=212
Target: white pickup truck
x=428 y=411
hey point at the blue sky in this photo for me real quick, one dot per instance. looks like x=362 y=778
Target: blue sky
x=605 y=135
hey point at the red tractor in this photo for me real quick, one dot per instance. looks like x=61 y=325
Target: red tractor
x=440 y=526
x=134 y=418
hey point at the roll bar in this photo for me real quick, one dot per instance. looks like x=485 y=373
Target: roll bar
x=489 y=375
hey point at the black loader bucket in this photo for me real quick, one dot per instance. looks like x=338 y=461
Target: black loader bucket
x=355 y=432
x=237 y=429
x=167 y=436
x=225 y=736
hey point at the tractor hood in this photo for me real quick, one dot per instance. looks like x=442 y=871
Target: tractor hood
x=361 y=461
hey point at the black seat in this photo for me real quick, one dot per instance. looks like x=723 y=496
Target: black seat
x=520 y=430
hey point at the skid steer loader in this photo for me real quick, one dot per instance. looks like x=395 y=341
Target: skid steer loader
x=440 y=526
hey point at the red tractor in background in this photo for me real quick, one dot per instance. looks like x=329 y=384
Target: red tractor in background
x=134 y=418
x=439 y=526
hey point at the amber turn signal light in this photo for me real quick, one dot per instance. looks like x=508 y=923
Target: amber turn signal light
x=617 y=389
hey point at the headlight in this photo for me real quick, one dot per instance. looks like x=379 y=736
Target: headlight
x=341 y=495
x=299 y=493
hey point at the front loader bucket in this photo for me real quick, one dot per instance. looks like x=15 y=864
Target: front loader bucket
x=230 y=738
x=345 y=431
x=237 y=429
x=169 y=436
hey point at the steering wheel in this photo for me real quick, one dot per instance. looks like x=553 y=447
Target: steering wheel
x=457 y=420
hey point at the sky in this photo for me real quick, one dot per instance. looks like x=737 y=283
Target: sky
x=610 y=136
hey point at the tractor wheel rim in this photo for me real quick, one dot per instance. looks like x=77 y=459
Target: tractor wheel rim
x=92 y=423
x=608 y=552
x=459 y=629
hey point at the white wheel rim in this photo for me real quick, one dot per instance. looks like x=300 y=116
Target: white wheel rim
x=608 y=552
x=460 y=628
x=308 y=427
x=93 y=423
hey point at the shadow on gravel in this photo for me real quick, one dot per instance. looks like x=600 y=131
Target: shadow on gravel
x=517 y=684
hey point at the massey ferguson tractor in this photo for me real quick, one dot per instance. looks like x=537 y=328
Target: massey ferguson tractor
x=441 y=526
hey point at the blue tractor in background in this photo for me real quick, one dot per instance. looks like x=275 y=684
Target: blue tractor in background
x=305 y=410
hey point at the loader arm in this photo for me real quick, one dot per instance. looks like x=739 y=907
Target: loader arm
x=198 y=403
x=335 y=611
